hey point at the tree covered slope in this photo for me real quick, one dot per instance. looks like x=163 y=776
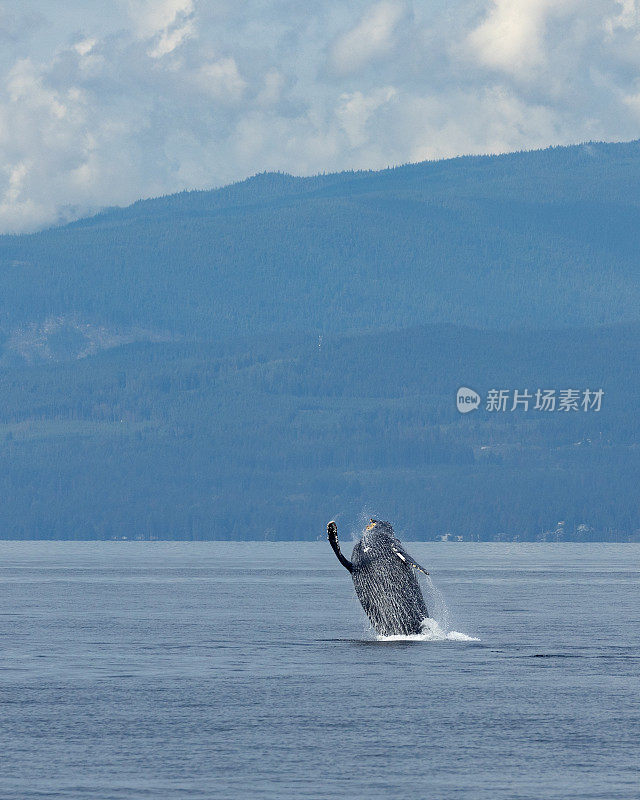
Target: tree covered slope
x=272 y=437
x=541 y=238
x=251 y=361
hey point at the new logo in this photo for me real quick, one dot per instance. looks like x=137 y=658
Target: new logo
x=467 y=400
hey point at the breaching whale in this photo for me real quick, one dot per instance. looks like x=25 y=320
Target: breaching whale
x=384 y=578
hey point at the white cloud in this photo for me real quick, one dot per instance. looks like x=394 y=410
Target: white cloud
x=166 y=22
x=512 y=36
x=372 y=37
x=356 y=109
x=84 y=47
x=103 y=105
x=221 y=80
x=151 y=17
x=627 y=16
x=24 y=86
x=17 y=175
x=170 y=39
x=489 y=121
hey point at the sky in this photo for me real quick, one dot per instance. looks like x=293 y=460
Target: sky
x=104 y=103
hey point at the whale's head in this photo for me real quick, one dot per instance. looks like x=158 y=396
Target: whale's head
x=378 y=527
x=377 y=544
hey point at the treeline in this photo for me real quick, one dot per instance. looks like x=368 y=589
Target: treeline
x=270 y=438
x=542 y=239
x=249 y=362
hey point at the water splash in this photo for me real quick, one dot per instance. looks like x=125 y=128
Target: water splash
x=436 y=627
x=431 y=632
x=364 y=517
x=437 y=605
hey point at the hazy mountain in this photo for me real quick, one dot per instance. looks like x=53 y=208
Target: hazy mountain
x=251 y=361
x=273 y=436
x=542 y=238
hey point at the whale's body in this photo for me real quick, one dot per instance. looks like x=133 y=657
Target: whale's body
x=384 y=577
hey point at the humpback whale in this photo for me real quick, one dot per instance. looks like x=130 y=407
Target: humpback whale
x=384 y=578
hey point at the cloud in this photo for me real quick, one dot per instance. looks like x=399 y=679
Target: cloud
x=103 y=105
x=372 y=37
x=84 y=47
x=627 y=16
x=170 y=39
x=221 y=80
x=512 y=35
x=167 y=23
x=152 y=17
x=355 y=110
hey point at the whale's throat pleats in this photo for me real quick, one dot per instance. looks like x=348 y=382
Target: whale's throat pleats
x=386 y=585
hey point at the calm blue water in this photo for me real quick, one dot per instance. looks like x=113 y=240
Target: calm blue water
x=218 y=670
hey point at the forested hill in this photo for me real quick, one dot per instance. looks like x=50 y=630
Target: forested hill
x=252 y=361
x=542 y=238
x=271 y=437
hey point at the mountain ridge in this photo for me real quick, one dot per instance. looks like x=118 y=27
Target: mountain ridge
x=245 y=364
x=269 y=181
x=536 y=238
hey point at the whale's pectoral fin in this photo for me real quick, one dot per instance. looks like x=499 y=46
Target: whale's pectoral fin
x=406 y=558
x=418 y=567
x=332 y=536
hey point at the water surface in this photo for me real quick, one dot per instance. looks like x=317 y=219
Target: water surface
x=224 y=670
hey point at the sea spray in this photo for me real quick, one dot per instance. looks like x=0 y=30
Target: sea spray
x=431 y=632
x=437 y=605
x=436 y=627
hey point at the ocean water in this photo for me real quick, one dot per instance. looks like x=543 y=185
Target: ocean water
x=222 y=670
